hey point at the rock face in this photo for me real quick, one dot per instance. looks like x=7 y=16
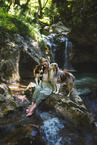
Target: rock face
x=4 y=92
x=84 y=51
x=6 y=100
x=71 y=108
x=84 y=57
x=9 y=59
x=18 y=55
x=12 y=49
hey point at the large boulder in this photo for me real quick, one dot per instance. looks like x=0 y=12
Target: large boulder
x=17 y=55
x=9 y=58
x=71 y=108
x=6 y=100
x=5 y=93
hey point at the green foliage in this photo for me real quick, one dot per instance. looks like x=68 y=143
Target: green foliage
x=14 y=19
x=11 y=24
x=5 y=23
x=17 y=24
x=24 y=17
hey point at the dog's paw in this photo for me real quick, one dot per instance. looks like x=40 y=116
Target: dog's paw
x=68 y=95
x=56 y=92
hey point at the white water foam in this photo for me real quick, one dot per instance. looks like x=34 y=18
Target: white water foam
x=50 y=129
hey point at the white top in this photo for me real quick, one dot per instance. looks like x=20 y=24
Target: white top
x=45 y=77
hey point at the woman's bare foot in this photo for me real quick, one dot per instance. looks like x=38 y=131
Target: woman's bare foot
x=29 y=114
x=31 y=110
x=28 y=110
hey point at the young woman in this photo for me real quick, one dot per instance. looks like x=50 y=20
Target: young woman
x=42 y=91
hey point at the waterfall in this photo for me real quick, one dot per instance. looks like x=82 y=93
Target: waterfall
x=67 y=51
x=60 y=48
x=49 y=41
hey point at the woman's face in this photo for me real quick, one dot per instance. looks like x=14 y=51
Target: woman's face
x=45 y=64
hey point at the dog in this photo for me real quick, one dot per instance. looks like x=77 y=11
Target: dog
x=38 y=74
x=68 y=79
x=60 y=78
x=53 y=75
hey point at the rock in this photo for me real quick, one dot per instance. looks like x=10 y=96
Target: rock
x=15 y=131
x=14 y=52
x=60 y=28
x=71 y=108
x=6 y=100
x=9 y=58
x=30 y=90
x=84 y=50
x=5 y=93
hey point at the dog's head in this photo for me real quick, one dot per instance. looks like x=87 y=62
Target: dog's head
x=54 y=67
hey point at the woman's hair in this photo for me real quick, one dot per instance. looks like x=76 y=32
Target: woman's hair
x=43 y=60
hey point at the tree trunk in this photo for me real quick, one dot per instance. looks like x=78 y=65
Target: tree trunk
x=40 y=8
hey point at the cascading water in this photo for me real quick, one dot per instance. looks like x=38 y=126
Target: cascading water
x=50 y=129
x=49 y=41
x=67 y=63
x=60 y=48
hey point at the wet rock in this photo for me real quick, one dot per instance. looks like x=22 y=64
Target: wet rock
x=6 y=100
x=71 y=108
x=30 y=90
x=5 y=92
x=20 y=134
x=90 y=100
x=58 y=28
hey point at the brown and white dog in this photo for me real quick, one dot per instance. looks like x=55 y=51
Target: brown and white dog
x=68 y=79
x=59 y=78
x=38 y=73
x=53 y=75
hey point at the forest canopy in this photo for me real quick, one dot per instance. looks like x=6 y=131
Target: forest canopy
x=38 y=13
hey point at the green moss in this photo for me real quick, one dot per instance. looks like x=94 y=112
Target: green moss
x=18 y=24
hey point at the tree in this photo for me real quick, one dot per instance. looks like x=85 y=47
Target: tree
x=41 y=8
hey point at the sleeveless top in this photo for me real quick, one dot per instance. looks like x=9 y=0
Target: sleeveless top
x=45 y=77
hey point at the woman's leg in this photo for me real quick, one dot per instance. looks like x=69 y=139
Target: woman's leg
x=27 y=110
x=44 y=93
x=34 y=97
x=39 y=96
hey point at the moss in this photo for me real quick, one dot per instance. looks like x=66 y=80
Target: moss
x=13 y=25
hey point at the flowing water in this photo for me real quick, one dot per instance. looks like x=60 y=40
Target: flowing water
x=86 y=82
